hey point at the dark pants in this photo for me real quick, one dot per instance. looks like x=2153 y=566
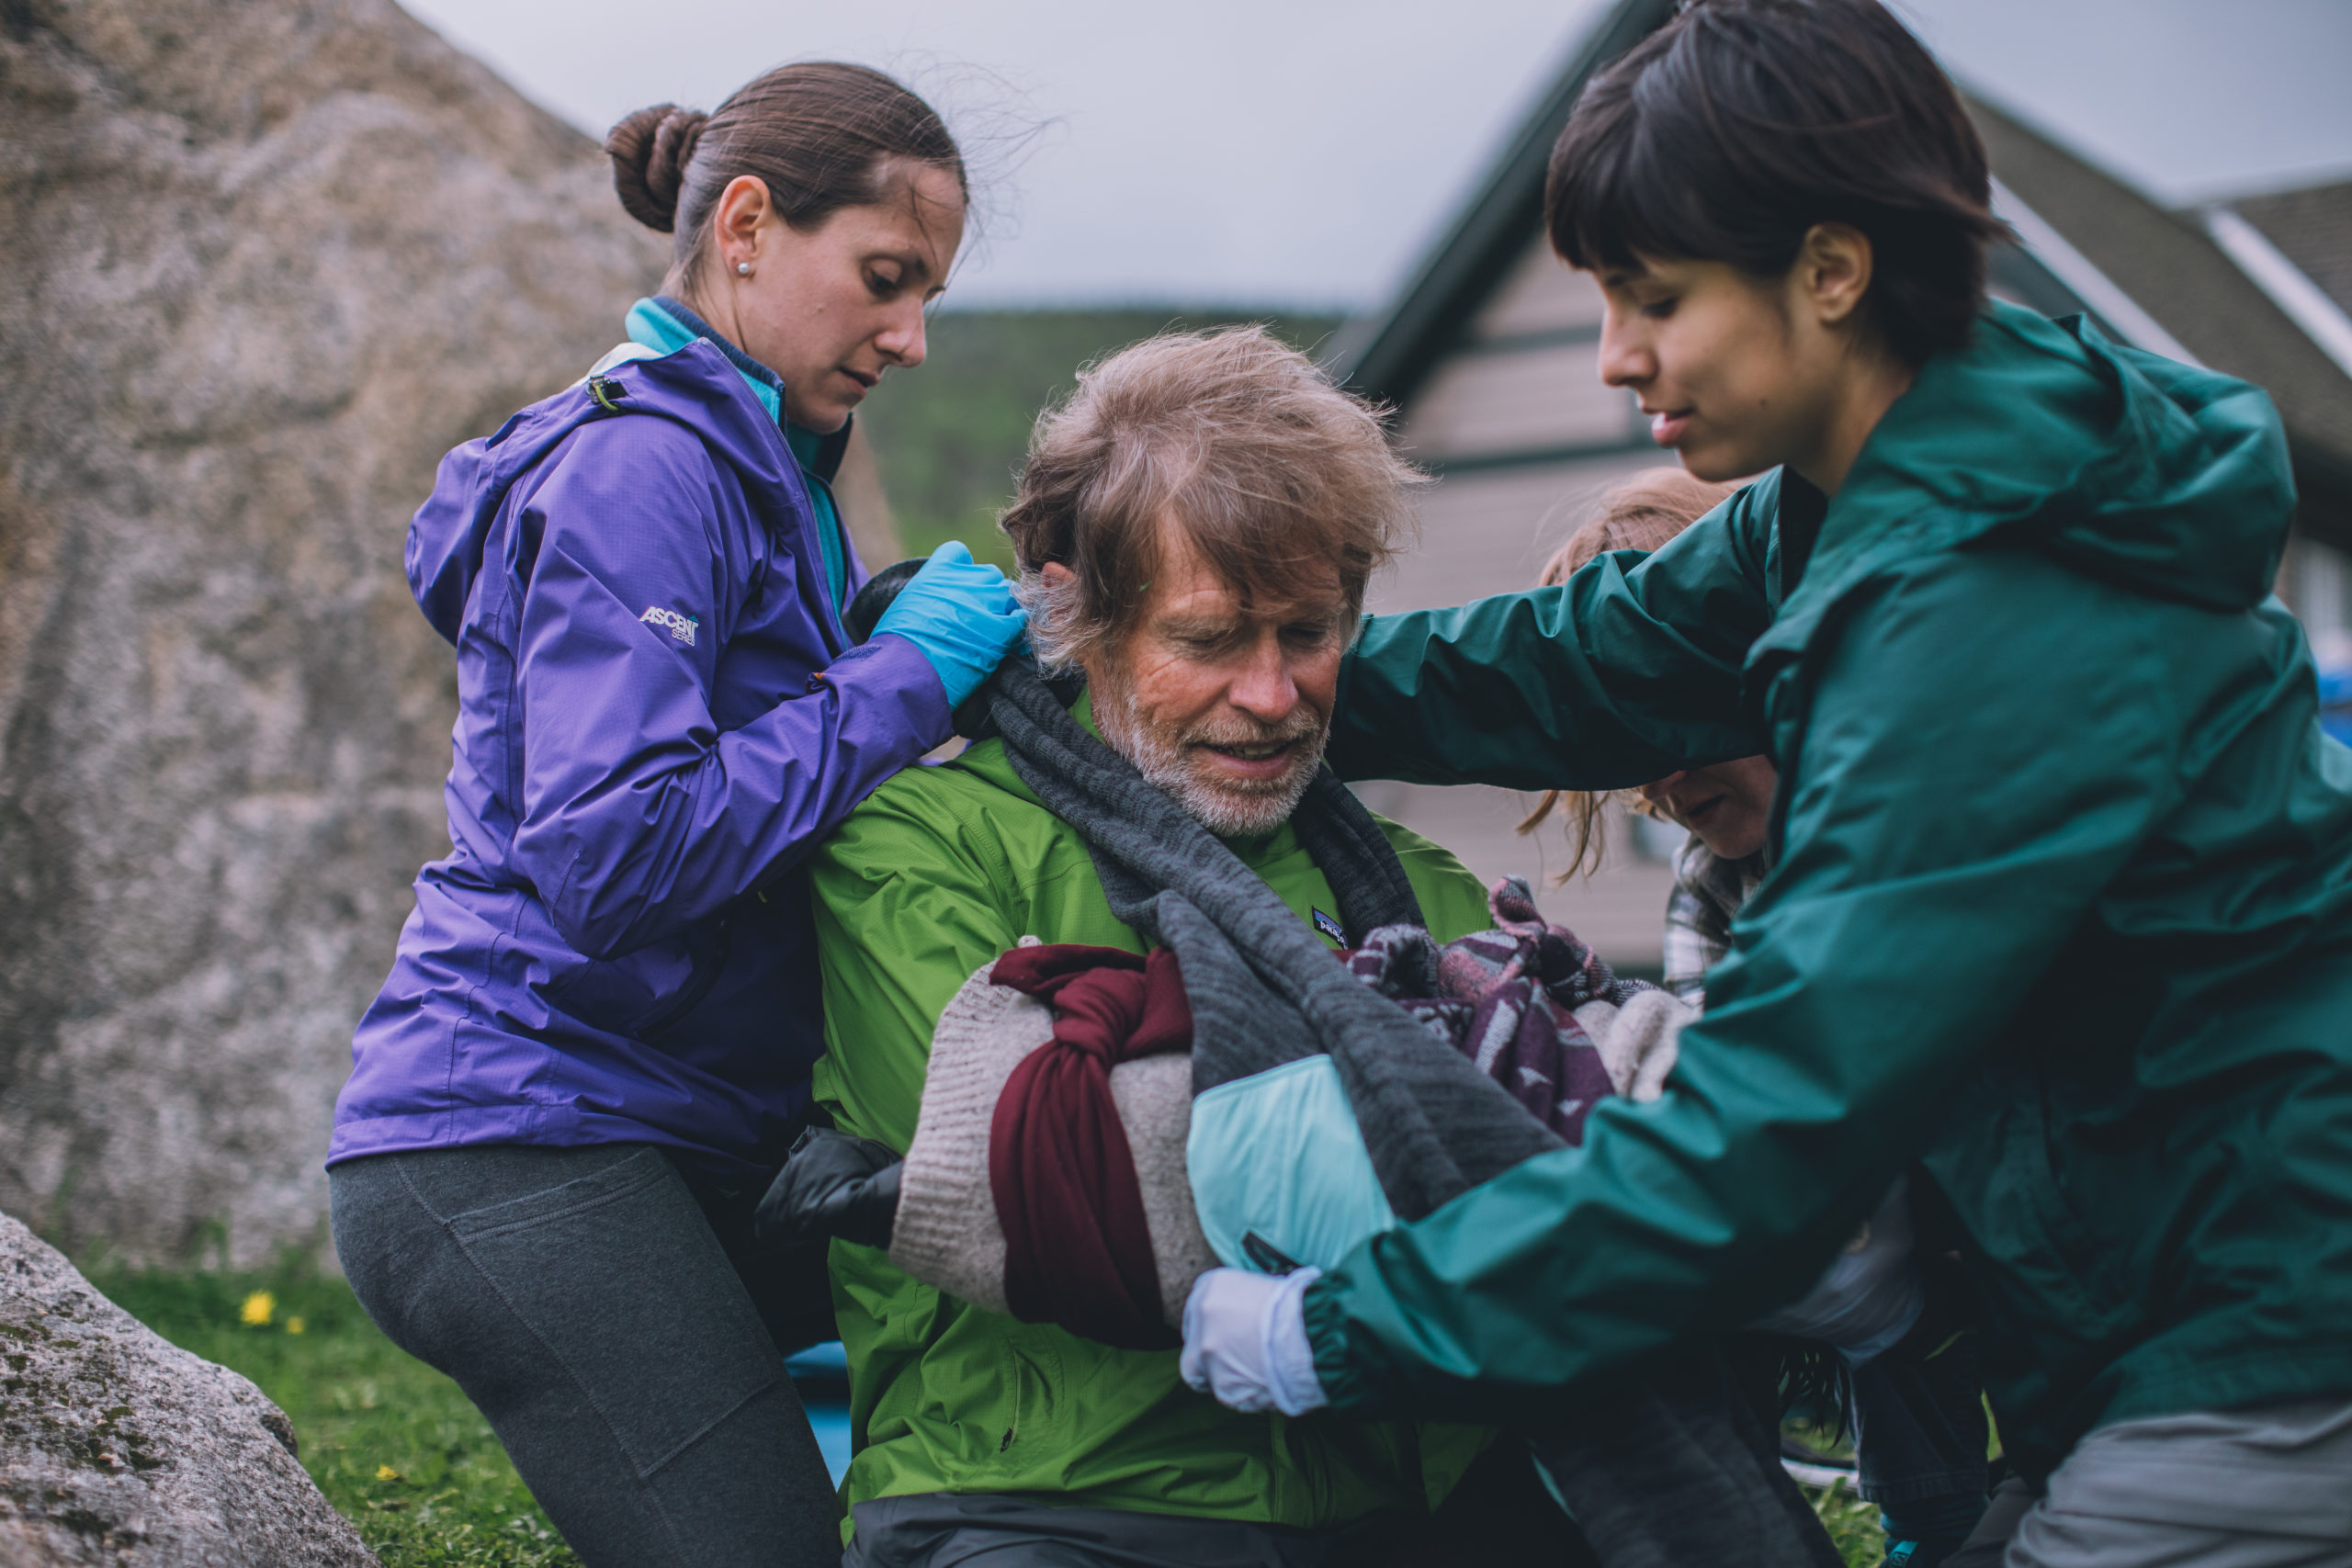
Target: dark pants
x=947 y=1530
x=1920 y=1427
x=1679 y=1466
x=586 y=1302
x=1498 y=1516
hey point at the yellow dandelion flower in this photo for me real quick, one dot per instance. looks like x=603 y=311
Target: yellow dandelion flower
x=294 y=1325
x=258 y=1309
x=386 y=1472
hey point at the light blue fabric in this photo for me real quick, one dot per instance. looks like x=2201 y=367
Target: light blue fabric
x=1278 y=1155
x=962 y=615
x=650 y=324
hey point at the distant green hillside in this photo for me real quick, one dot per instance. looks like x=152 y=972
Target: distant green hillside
x=950 y=435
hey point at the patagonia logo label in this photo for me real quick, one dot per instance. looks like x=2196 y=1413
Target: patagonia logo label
x=681 y=627
x=1329 y=928
x=1269 y=1259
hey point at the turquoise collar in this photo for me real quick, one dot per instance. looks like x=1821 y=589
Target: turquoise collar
x=665 y=325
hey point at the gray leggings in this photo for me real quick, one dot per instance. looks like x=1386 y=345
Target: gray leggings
x=2270 y=1486
x=585 y=1302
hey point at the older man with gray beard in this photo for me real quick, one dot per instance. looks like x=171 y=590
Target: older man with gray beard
x=1196 y=529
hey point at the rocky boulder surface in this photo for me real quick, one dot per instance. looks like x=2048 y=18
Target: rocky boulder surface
x=261 y=263
x=118 y=1447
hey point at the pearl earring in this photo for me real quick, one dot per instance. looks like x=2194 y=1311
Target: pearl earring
x=743 y=269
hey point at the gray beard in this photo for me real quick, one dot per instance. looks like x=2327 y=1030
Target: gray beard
x=1169 y=765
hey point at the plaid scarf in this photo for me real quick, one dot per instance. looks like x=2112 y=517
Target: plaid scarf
x=1708 y=892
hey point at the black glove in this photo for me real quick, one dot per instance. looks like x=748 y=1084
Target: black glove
x=832 y=1184
x=877 y=596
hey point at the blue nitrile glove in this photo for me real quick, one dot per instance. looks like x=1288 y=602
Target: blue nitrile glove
x=962 y=615
x=1245 y=1341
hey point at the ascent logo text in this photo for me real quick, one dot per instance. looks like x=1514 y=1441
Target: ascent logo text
x=681 y=627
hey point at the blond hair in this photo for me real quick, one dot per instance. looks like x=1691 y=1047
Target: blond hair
x=1274 y=474
x=1642 y=513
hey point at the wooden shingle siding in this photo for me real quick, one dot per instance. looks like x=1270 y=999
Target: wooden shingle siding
x=1521 y=387
x=1489 y=531
x=1540 y=295
x=1519 y=404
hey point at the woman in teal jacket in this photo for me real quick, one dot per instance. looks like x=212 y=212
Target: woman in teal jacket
x=2062 y=909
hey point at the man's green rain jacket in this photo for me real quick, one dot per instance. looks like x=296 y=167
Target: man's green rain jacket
x=2063 y=910
x=937 y=873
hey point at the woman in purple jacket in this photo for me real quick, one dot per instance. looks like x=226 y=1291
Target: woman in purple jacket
x=593 y=1048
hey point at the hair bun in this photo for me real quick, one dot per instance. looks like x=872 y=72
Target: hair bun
x=650 y=151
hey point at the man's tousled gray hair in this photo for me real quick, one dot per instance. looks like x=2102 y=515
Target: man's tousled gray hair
x=1275 y=475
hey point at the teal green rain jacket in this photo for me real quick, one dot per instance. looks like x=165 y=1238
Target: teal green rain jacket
x=2063 y=910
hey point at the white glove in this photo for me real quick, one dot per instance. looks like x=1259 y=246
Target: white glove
x=1870 y=1296
x=1245 y=1340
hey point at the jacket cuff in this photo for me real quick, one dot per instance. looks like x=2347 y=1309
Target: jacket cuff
x=1326 y=1317
x=890 y=669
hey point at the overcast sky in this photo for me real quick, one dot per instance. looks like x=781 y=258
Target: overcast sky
x=1304 y=153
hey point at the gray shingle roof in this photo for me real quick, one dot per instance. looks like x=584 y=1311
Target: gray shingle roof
x=2311 y=227
x=2173 y=271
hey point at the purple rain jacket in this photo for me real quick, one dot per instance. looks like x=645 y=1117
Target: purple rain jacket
x=659 y=717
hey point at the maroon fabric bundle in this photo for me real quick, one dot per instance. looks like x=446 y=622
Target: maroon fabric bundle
x=1078 y=1251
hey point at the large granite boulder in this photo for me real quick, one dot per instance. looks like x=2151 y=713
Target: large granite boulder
x=261 y=262
x=118 y=1447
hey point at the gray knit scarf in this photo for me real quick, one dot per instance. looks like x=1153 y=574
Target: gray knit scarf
x=1264 y=989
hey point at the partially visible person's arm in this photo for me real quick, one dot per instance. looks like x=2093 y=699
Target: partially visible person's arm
x=1941 y=850
x=1616 y=677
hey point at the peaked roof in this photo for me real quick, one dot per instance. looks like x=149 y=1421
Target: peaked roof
x=1386 y=354
x=2091 y=244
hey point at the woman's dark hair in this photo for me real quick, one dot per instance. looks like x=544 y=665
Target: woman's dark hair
x=818 y=133
x=1733 y=129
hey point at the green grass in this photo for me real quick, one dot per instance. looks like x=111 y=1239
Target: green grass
x=393 y=1444
x=950 y=434
x=1852 y=1524
x=363 y=1407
